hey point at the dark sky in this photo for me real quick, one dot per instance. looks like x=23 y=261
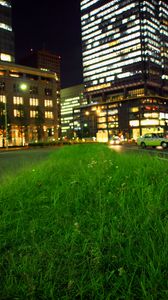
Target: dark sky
x=55 y=25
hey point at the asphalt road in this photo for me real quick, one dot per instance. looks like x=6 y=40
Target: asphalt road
x=13 y=161
x=158 y=151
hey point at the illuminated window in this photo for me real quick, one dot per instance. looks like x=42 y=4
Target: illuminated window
x=113 y=119
x=33 y=114
x=103 y=126
x=18 y=113
x=2 y=99
x=5 y=57
x=137 y=92
x=151 y=115
x=134 y=123
x=101 y=120
x=34 y=102
x=134 y=109
x=5 y=26
x=149 y=122
x=17 y=100
x=113 y=112
x=49 y=115
x=4 y=3
x=48 y=103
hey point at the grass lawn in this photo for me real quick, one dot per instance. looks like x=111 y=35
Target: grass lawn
x=87 y=223
x=13 y=161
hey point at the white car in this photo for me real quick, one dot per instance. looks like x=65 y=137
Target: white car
x=115 y=140
x=152 y=140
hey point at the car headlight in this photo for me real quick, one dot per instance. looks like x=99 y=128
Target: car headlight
x=111 y=142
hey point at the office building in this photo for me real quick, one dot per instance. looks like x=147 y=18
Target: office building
x=29 y=96
x=125 y=61
x=6 y=32
x=71 y=98
x=29 y=105
x=44 y=60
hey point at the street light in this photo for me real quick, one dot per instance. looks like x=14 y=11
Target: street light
x=23 y=87
x=6 y=123
x=87 y=113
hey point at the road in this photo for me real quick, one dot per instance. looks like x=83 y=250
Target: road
x=158 y=151
x=13 y=161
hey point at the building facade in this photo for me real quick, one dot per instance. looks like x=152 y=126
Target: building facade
x=29 y=105
x=125 y=62
x=6 y=32
x=129 y=118
x=71 y=98
x=44 y=60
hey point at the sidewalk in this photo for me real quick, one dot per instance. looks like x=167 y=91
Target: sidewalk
x=13 y=148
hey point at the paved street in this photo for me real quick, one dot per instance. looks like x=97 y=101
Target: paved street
x=13 y=161
x=158 y=151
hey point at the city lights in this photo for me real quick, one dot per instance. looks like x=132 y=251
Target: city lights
x=125 y=59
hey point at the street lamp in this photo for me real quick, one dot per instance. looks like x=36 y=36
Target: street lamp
x=6 y=124
x=23 y=87
x=87 y=113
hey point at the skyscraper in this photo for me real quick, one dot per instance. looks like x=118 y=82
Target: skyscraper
x=125 y=43
x=125 y=65
x=6 y=33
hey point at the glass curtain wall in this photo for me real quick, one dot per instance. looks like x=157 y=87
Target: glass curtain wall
x=123 y=41
x=6 y=33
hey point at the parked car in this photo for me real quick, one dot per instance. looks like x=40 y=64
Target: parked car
x=153 y=140
x=115 y=140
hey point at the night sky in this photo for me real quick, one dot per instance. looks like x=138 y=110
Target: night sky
x=55 y=25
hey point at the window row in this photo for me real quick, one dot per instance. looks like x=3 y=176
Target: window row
x=32 y=101
x=33 y=114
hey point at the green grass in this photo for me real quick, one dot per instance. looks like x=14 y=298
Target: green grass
x=87 y=223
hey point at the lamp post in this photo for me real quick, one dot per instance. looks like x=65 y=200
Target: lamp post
x=6 y=123
x=23 y=87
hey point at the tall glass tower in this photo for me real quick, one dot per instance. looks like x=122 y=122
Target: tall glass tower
x=6 y=33
x=125 y=43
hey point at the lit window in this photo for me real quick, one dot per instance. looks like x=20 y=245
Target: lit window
x=149 y=122
x=4 y=3
x=48 y=103
x=33 y=114
x=2 y=99
x=5 y=26
x=134 y=109
x=17 y=100
x=5 y=57
x=49 y=115
x=18 y=113
x=134 y=123
x=34 y=102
